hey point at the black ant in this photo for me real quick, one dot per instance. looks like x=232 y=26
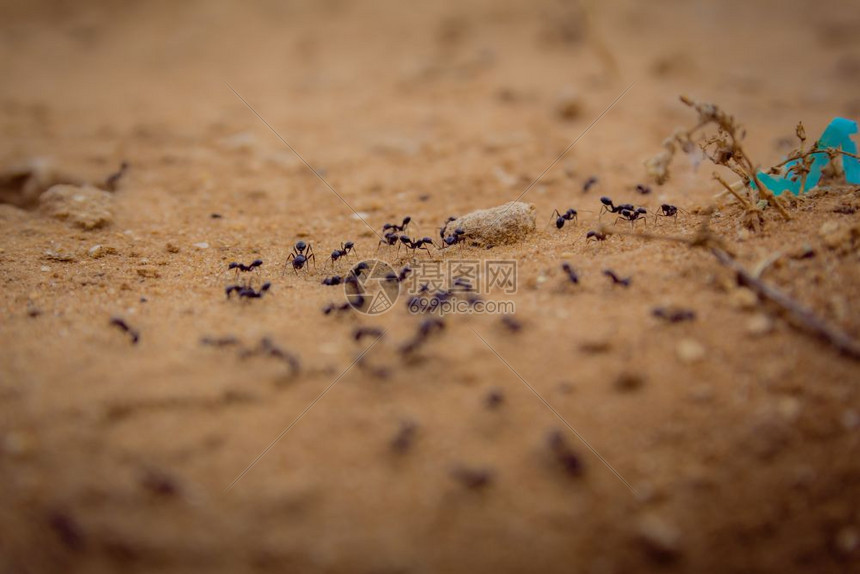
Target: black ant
x=331 y=307
x=426 y=328
x=113 y=179
x=473 y=299
x=667 y=210
x=589 y=183
x=633 y=215
x=362 y=332
x=351 y=280
x=393 y=226
x=355 y=292
x=225 y=341
x=356 y=271
x=643 y=189
x=445 y=226
x=248 y=292
x=302 y=253
x=336 y=280
x=616 y=279
x=564 y=454
x=571 y=274
x=595 y=235
x=125 y=327
x=250 y=267
x=391 y=238
x=405 y=436
x=609 y=207
x=242 y=268
x=674 y=315
x=494 y=399
x=267 y=348
x=561 y=218
x=425 y=304
x=399 y=277
x=472 y=478
x=459 y=236
x=345 y=249
x=511 y=324
x=414 y=244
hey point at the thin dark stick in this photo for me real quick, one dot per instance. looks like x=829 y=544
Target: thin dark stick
x=799 y=316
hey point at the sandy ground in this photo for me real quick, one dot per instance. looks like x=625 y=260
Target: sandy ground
x=729 y=443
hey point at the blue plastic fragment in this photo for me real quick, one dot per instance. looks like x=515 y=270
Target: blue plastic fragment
x=837 y=135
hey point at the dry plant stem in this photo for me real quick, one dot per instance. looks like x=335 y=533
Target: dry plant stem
x=731 y=190
x=797 y=315
x=770 y=197
x=806 y=154
x=730 y=153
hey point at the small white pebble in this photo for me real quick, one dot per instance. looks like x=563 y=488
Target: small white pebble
x=45 y=268
x=789 y=408
x=660 y=536
x=850 y=419
x=201 y=245
x=702 y=393
x=18 y=443
x=847 y=540
x=743 y=298
x=330 y=348
x=690 y=351
x=759 y=325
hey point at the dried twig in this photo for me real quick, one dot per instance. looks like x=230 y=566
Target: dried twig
x=731 y=190
x=797 y=315
x=723 y=148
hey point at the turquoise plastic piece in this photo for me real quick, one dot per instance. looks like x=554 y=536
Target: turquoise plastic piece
x=837 y=135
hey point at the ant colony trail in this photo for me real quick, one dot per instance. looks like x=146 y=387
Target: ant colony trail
x=453 y=287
